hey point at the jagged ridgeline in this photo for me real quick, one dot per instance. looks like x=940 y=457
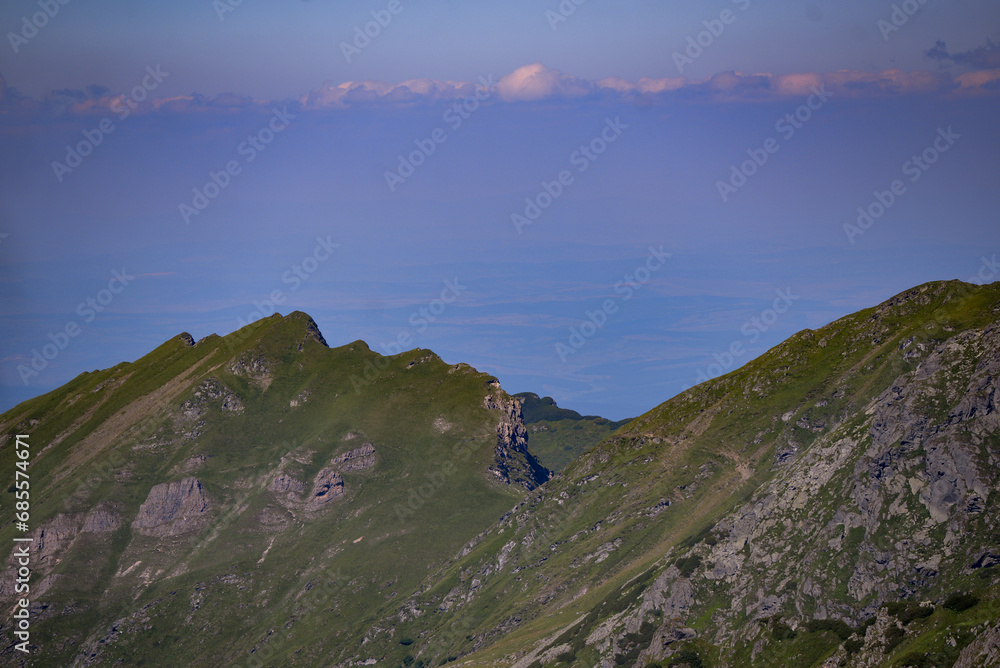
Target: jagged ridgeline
x=261 y=499
x=255 y=499
x=833 y=502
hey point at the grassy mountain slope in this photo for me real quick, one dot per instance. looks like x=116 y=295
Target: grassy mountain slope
x=559 y=435
x=261 y=499
x=254 y=497
x=763 y=518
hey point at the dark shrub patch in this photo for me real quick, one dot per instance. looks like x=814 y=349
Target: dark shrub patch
x=959 y=602
x=907 y=611
x=688 y=656
x=688 y=565
x=893 y=637
x=843 y=630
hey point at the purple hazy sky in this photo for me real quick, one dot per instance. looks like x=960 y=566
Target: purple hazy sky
x=605 y=205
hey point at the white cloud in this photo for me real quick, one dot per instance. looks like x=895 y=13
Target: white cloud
x=339 y=96
x=645 y=85
x=537 y=82
x=533 y=83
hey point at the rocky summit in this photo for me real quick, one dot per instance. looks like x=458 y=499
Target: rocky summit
x=261 y=499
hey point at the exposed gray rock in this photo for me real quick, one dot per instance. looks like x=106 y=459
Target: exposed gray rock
x=914 y=473
x=670 y=593
x=210 y=391
x=249 y=364
x=284 y=484
x=678 y=635
x=302 y=397
x=232 y=404
x=172 y=508
x=312 y=331
x=102 y=519
x=987 y=560
x=329 y=485
x=983 y=651
x=254 y=367
x=356 y=459
x=54 y=536
x=193 y=463
x=658 y=508
x=512 y=463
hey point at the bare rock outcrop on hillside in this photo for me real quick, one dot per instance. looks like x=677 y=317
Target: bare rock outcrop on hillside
x=101 y=519
x=355 y=460
x=54 y=536
x=909 y=470
x=172 y=508
x=512 y=463
x=210 y=391
x=253 y=366
x=983 y=651
x=329 y=485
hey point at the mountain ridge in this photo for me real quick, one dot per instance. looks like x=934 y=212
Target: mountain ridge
x=721 y=442
x=795 y=511
x=560 y=435
x=143 y=470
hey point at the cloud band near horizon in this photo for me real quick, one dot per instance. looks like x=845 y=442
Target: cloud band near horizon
x=530 y=83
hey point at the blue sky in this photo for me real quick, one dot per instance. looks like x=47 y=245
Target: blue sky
x=283 y=49
x=833 y=106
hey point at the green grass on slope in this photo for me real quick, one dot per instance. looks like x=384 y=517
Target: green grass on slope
x=706 y=450
x=256 y=579
x=557 y=435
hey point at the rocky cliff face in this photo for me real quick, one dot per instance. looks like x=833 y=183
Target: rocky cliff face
x=172 y=508
x=513 y=464
x=329 y=485
x=983 y=651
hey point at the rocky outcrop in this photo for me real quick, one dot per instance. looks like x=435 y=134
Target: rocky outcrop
x=305 y=325
x=101 y=519
x=193 y=463
x=877 y=484
x=54 y=537
x=881 y=508
x=329 y=485
x=853 y=466
x=302 y=398
x=286 y=484
x=210 y=392
x=512 y=463
x=357 y=459
x=253 y=366
x=312 y=332
x=983 y=651
x=172 y=508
